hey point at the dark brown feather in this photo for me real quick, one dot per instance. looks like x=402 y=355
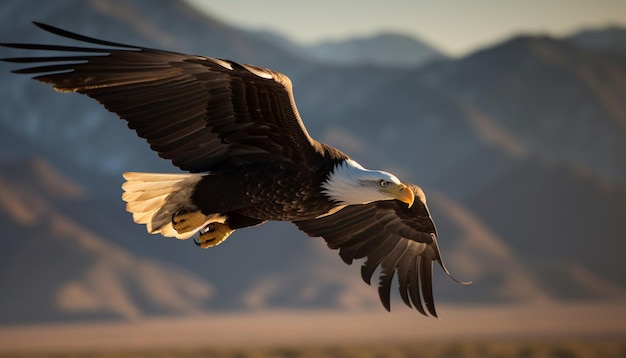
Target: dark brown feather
x=200 y=112
x=398 y=239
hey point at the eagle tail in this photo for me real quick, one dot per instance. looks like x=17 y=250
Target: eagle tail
x=154 y=198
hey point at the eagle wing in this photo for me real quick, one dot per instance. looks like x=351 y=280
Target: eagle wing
x=199 y=112
x=391 y=235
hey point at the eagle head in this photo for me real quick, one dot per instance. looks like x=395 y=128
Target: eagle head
x=351 y=184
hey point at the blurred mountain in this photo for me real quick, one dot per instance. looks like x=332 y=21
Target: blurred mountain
x=54 y=265
x=610 y=41
x=553 y=98
x=382 y=50
x=520 y=148
x=563 y=224
x=387 y=50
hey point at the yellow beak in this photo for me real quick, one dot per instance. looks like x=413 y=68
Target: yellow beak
x=400 y=192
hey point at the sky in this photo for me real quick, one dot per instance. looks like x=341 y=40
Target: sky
x=455 y=27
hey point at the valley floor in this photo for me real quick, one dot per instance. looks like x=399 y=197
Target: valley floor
x=547 y=330
x=563 y=348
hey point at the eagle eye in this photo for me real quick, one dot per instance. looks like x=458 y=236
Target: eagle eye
x=382 y=183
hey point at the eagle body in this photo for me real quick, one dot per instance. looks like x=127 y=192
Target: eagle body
x=247 y=158
x=283 y=191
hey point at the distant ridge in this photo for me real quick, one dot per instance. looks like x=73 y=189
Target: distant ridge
x=382 y=50
x=388 y=50
x=610 y=40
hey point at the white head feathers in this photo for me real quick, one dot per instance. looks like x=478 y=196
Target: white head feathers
x=350 y=184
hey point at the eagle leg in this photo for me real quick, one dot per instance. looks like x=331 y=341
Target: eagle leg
x=213 y=234
x=184 y=221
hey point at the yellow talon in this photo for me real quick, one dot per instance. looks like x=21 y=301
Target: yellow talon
x=184 y=222
x=214 y=235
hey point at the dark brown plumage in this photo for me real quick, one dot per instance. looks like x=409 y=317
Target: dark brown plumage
x=239 y=126
x=389 y=234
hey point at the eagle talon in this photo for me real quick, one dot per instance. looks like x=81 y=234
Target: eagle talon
x=212 y=235
x=203 y=244
x=184 y=221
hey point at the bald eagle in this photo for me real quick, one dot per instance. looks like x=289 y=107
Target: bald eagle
x=235 y=129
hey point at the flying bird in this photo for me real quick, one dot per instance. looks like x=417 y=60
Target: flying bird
x=235 y=130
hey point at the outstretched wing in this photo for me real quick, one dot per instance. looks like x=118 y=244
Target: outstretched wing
x=399 y=239
x=200 y=112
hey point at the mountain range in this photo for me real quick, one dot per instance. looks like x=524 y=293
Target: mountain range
x=520 y=147
x=381 y=50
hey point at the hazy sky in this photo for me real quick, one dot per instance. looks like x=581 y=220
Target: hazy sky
x=454 y=26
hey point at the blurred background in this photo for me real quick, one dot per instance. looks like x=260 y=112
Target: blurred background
x=510 y=115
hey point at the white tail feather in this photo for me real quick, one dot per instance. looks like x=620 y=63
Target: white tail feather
x=153 y=199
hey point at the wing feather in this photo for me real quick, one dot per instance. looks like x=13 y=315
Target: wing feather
x=414 y=285
x=404 y=269
x=426 y=277
x=199 y=112
x=388 y=266
x=375 y=258
x=398 y=239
